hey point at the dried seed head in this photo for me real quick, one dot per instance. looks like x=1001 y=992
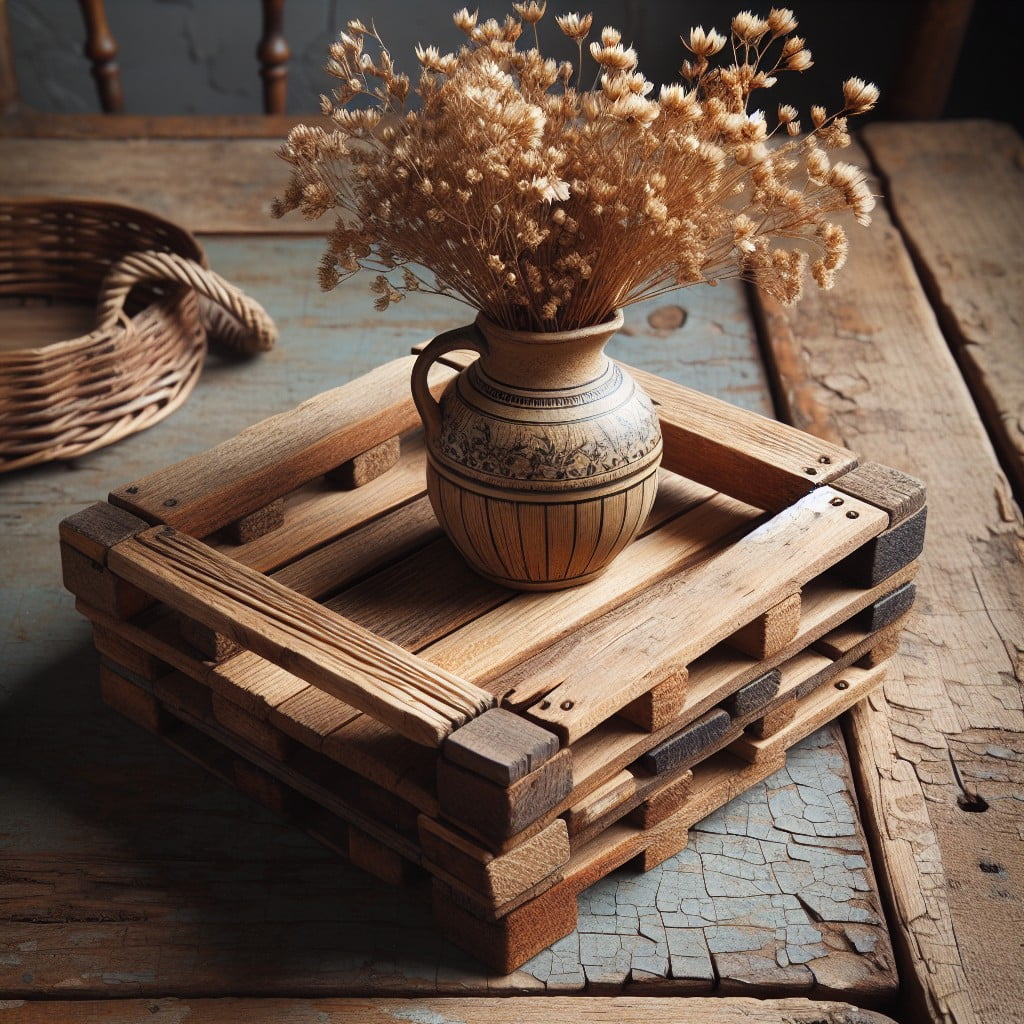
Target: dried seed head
x=575 y=26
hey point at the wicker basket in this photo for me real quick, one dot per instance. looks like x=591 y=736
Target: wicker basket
x=155 y=300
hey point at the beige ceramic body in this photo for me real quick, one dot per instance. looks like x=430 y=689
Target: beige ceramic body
x=542 y=455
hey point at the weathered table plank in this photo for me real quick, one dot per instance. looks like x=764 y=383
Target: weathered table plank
x=957 y=194
x=941 y=756
x=598 y=1010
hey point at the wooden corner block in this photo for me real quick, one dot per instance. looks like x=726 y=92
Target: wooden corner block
x=888 y=644
x=379 y=860
x=180 y=692
x=498 y=812
x=498 y=878
x=95 y=584
x=655 y=809
x=96 y=529
x=766 y=635
x=132 y=657
x=689 y=745
x=776 y=719
x=264 y=788
x=888 y=609
x=208 y=642
x=131 y=700
x=666 y=841
x=366 y=466
x=251 y=729
x=506 y=944
x=658 y=706
x=753 y=696
x=500 y=746
x=890 y=551
x=256 y=524
x=886 y=488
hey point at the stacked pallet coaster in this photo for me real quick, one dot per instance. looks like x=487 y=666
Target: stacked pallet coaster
x=284 y=609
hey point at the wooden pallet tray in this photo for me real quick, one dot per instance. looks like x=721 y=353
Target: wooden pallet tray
x=288 y=597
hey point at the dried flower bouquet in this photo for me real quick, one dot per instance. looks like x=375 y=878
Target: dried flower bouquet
x=547 y=203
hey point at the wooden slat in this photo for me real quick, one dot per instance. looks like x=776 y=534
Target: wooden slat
x=674 y=622
x=956 y=196
x=371 y=674
x=758 y=460
x=317 y=514
x=208 y=491
x=529 y=622
x=947 y=737
x=523 y=1009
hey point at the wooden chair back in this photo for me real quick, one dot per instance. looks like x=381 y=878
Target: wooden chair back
x=101 y=48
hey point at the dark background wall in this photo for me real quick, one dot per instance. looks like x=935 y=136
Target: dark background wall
x=198 y=56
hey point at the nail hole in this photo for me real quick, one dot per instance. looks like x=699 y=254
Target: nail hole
x=810 y=471
x=545 y=704
x=972 y=803
x=836 y=501
x=989 y=868
x=170 y=502
x=566 y=705
x=842 y=685
x=131 y=490
x=824 y=460
x=852 y=514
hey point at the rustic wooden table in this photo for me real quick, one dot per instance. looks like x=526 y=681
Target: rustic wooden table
x=879 y=873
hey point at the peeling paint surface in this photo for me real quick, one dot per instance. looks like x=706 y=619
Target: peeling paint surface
x=770 y=888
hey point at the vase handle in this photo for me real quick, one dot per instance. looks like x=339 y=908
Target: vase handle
x=467 y=337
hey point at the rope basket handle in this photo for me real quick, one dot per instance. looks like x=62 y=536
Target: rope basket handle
x=236 y=320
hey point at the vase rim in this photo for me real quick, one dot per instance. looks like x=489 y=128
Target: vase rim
x=606 y=328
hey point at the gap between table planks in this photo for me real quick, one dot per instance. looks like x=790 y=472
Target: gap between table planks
x=867 y=365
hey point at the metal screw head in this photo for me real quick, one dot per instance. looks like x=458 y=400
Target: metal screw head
x=842 y=685
x=170 y=502
x=545 y=704
x=852 y=514
x=836 y=501
x=824 y=460
x=810 y=471
x=566 y=705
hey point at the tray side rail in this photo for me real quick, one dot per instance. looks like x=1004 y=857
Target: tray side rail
x=248 y=472
x=420 y=701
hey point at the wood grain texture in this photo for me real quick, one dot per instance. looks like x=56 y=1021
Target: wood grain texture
x=233 y=198
x=207 y=491
x=955 y=193
x=770 y=631
x=500 y=746
x=365 y=671
x=500 y=878
x=96 y=529
x=498 y=812
x=947 y=738
x=599 y=1009
x=676 y=621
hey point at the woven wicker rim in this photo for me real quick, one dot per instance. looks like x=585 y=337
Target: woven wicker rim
x=156 y=300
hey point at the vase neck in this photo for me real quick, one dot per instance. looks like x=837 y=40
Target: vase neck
x=543 y=361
